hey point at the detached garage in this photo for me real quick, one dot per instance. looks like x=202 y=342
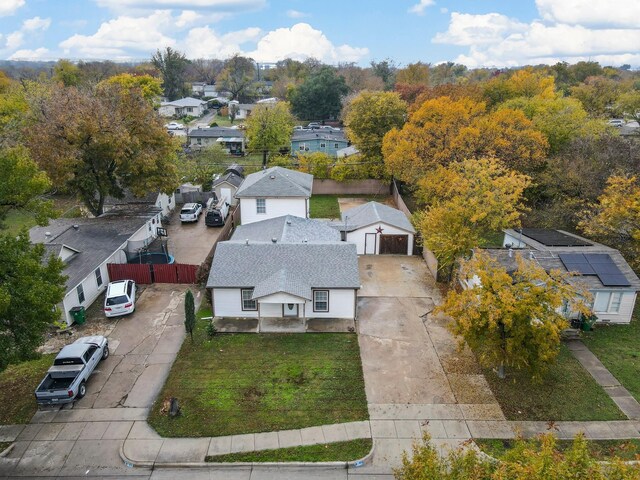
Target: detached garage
x=378 y=229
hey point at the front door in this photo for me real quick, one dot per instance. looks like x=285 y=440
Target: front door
x=289 y=309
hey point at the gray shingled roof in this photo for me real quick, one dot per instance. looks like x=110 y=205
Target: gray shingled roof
x=316 y=265
x=185 y=102
x=305 y=136
x=374 y=212
x=283 y=281
x=287 y=229
x=230 y=178
x=96 y=239
x=215 y=132
x=276 y=182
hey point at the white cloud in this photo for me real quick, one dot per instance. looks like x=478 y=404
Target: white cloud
x=599 y=13
x=138 y=6
x=14 y=40
x=300 y=42
x=124 y=37
x=421 y=6
x=204 y=42
x=495 y=40
x=444 y=10
x=36 y=23
x=296 y=14
x=37 y=54
x=9 y=7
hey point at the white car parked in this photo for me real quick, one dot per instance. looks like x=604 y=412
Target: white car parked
x=190 y=212
x=174 y=126
x=120 y=298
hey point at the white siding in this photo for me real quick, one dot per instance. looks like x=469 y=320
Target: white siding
x=512 y=241
x=166 y=202
x=358 y=236
x=227 y=187
x=167 y=110
x=227 y=303
x=276 y=207
x=625 y=312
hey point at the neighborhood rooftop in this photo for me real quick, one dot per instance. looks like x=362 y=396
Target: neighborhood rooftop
x=276 y=182
x=374 y=212
x=325 y=265
x=229 y=177
x=303 y=135
x=215 y=132
x=185 y=102
x=287 y=229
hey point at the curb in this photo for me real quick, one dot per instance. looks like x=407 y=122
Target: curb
x=7 y=450
x=337 y=465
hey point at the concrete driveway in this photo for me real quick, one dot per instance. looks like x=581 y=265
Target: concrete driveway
x=416 y=379
x=190 y=242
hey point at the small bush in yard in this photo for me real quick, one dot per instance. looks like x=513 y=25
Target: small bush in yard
x=211 y=329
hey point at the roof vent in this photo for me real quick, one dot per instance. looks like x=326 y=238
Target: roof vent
x=272 y=177
x=288 y=222
x=531 y=255
x=76 y=226
x=247 y=241
x=274 y=240
x=47 y=234
x=510 y=252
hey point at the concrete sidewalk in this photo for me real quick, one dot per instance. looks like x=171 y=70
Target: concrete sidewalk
x=603 y=377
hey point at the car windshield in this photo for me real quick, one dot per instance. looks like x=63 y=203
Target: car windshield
x=117 y=300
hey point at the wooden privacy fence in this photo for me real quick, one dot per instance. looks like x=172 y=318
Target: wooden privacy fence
x=146 y=273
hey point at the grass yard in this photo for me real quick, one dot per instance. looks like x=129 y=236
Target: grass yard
x=600 y=449
x=618 y=348
x=245 y=383
x=328 y=452
x=326 y=206
x=17 y=384
x=567 y=393
x=17 y=219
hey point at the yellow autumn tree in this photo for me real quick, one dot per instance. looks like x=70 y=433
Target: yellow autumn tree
x=466 y=202
x=443 y=130
x=513 y=318
x=615 y=219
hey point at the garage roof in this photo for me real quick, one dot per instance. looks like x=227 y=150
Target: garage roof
x=371 y=213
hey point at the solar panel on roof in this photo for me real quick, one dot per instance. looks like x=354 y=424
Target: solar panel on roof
x=600 y=264
x=553 y=238
x=593 y=258
x=618 y=280
x=581 y=268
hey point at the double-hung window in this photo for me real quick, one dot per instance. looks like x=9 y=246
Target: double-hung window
x=261 y=205
x=321 y=300
x=80 y=292
x=247 y=303
x=98 y=274
x=607 y=302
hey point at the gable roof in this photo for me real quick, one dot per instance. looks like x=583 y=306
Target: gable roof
x=94 y=239
x=302 y=136
x=283 y=281
x=184 y=102
x=215 y=132
x=273 y=267
x=276 y=182
x=230 y=177
x=286 y=229
x=374 y=212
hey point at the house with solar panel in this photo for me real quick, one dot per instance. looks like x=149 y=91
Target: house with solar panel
x=602 y=269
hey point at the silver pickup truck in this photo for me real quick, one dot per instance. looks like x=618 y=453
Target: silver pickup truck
x=66 y=379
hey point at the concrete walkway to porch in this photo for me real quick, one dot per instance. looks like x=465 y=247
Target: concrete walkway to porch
x=603 y=377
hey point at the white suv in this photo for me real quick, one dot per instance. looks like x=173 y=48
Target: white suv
x=190 y=212
x=120 y=298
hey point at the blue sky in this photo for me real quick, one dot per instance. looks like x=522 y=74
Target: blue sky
x=474 y=32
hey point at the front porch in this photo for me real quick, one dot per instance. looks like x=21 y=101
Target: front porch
x=284 y=325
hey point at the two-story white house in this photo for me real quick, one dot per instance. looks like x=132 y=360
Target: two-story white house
x=274 y=192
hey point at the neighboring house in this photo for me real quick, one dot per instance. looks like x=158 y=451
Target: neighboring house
x=242 y=110
x=274 y=192
x=161 y=200
x=603 y=270
x=304 y=141
x=87 y=245
x=209 y=91
x=226 y=185
x=232 y=139
x=347 y=151
x=376 y=229
x=287 y=229
x=264 y=278
x=197 y=88
x=185 y=106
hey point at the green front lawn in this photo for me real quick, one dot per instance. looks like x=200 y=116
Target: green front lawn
x=568 y=392
x=599 y=449
x=618 y=348
x=328 y=452
x=17 y=384
x=245 y=383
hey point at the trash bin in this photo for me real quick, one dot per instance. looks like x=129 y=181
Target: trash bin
x=78 y=314
x=589 y=322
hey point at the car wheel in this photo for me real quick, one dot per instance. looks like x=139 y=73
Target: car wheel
x=105 y=354
x=82 y=390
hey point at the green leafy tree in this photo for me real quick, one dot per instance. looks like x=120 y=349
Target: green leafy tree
x=239 y=78
x=172 y=65
x=466 y=202
x=628 y=104
x=369 y=117
x=539 y=458
x=269 y=129
x=597 y=95
x=30 y=286
x=22 y=185
x=319 y=97
x=318 y=164
x=512 y=318
x=67 y=73
x=385 y=70
x=98 y=145
x=280 y=161
x=189 y=313
x=414 y=74
x=150 y=88
x=199 y=167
